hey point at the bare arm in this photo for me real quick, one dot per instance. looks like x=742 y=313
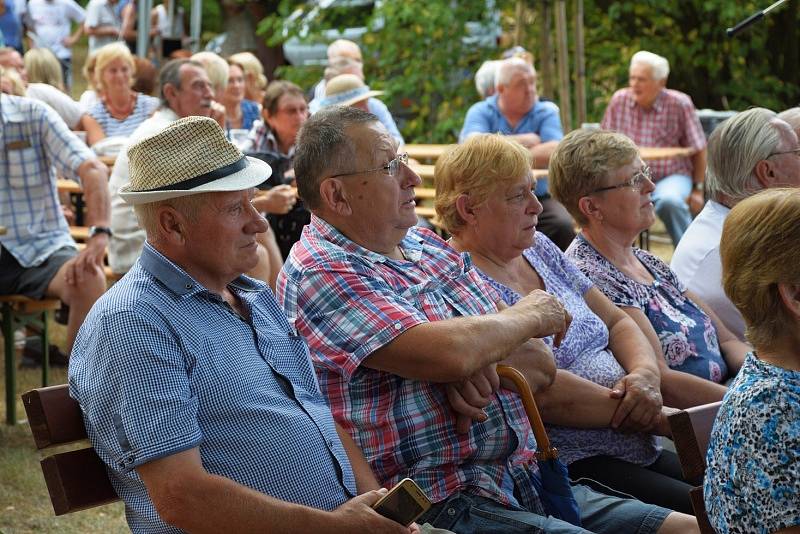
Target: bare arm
x=365 y=478
x=732 y=349
x=696 y=200
x=185 y=495
x=680 y=390
x=541 y=154
x=94 y=132
x=128 y=31
x=70 y=40
x=99 y=31
x=454 y=349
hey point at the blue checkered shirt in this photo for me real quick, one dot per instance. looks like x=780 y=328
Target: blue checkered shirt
x=162 y=365
x=34 y=139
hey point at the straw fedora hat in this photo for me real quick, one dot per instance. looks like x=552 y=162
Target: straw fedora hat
x=345 y=90
x=189 y=156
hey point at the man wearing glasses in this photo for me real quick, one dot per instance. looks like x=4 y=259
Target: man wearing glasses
x=654 y=116
x=751 y=151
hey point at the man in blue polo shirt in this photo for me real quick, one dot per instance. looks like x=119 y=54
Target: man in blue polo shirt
x=195 y=391
x=516 y=110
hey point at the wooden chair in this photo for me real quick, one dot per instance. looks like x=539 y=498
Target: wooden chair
x=19 y=312
x=691 y=431
x=77 y=479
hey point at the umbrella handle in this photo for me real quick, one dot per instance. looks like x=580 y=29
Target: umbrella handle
x=545 y=450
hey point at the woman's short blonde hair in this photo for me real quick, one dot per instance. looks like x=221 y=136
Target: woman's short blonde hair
x=252 y=67
x=43 y=66
x=583 y=161
x=108 y=54
x=759 y=250
x=478 y=167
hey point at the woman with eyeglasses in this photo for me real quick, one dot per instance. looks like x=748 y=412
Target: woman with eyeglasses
x=605 y=405
x=602 y=181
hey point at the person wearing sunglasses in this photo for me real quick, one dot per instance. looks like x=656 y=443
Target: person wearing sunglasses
x=602 y=181
x=750 y=152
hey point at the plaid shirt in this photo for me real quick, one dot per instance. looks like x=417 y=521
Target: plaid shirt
x=34 y=139
x=671 y=122
x=262 y=139
x=348 y=302
x=162 y=365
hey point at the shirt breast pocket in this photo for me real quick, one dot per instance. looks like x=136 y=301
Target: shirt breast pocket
x=25 y=168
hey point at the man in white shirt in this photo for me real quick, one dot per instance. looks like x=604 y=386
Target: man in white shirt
x=749 y=152
x=51 y=21
x=103 y=23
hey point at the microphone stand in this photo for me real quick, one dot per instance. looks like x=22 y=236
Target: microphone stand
x=752 y=18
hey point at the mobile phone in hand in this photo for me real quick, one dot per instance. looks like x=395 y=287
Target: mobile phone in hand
x=404 y=503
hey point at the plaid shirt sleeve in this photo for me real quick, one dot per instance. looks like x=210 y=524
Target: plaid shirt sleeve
x=346 y=316
x=62 y=147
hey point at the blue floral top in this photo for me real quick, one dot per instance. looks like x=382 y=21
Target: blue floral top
x=752 y=482
x=688 y=337
x=584 y=352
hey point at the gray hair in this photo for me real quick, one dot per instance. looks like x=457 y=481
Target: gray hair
x=147 y=213
x=734 y=149
x=484 y=77
x=171 y=74
x=324 y=148
x=658 y=64
x=508 y=67
x=792 y=117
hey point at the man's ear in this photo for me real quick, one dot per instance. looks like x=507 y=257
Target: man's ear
x=172 y=225
x=334 y=197
x=170 y=92
x=588 y=206
x=465 y=209
x=764 y=174
x=790 y=295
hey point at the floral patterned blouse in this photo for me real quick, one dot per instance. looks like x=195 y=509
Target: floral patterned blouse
x=584 y=352
x=688 y=337
x=752 y=482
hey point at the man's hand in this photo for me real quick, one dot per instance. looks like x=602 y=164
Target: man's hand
x=641 y=402
x=553 y=318
x=218 y=113
x=469 y=397
x=357 y=515
x=88 y=261
x=278 y=200
x=535 y=361
x=696 y=201
x=528 y=140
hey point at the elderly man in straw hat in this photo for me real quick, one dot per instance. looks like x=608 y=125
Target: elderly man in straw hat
x=196 y=392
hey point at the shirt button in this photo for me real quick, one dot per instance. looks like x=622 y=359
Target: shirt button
x=188 y=286
x=330 y=443
x=451 y=512
x=398 y=326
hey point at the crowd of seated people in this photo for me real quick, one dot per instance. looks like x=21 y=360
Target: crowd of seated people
x=273 y=245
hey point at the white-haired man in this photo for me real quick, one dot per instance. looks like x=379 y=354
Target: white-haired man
x=197 y=394
x=747 y=153
x=654 y=116
x=484 y=78
x=517 y=111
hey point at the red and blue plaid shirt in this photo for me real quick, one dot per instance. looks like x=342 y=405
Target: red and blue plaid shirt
x=671 y=122
x=348 y=302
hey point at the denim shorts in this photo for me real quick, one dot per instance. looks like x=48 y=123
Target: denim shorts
x=600 y=513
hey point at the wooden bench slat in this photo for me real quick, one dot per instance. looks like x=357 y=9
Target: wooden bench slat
x=55 y=418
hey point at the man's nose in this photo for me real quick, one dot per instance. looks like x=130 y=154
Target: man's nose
x=409 y=177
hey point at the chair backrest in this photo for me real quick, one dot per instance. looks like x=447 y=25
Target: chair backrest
x=76 y=479
x=691 y=431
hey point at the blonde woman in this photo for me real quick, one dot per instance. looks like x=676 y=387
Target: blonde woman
x=255 y=83
x=121 y=109
x=43 y=66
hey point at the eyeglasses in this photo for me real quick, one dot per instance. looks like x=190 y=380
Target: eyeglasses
x=635 y=182
x=393 y=168
x=795 y=151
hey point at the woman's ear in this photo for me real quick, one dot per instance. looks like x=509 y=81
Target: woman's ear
x=790 y=295
x=588 y=207
x=465 y=209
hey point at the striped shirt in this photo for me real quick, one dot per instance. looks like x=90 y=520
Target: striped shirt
x=145 y=106
x=33 y=140
x=162 y=365
x=671 y=122
x=349 y=302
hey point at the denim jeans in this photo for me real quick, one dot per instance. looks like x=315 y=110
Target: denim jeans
x=670 y=203
x=600 y=513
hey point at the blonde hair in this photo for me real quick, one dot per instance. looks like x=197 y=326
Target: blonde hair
x=108 y=54
x=479 y=166
x=43 y=67
x=252 y=68
x=583 y=162
x=216 y=68
x=13 y=79
x=758 y=249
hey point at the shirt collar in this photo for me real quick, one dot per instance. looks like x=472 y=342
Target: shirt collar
x=179 y=281
x=410 y=246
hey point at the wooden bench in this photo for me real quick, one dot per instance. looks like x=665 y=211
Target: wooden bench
x=19 y=312
x=76 y=479
x=691 y=431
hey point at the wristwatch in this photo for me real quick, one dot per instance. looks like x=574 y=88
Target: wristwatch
x=94 y=230
x=698 y=186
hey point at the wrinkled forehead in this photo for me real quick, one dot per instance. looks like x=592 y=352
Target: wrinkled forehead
x=372 y=141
